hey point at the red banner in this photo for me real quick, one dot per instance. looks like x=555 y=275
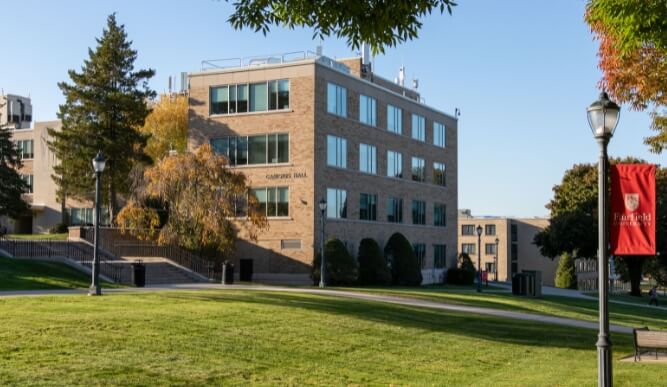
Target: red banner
x=632 y=223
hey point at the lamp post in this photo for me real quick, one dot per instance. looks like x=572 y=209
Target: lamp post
x=602 y=118
x=98 y=165
x=479 y=259
x=323 y=210
x=495 y=264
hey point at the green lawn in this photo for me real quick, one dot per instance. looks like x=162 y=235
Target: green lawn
x=23 y=274
x=238 y=337
x=633 y=316
x=42 y=237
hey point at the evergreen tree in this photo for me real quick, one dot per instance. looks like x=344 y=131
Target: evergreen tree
x=104 y=105
x=11 y=203
x=373 y=268
x=403 y=262
x=565 y=276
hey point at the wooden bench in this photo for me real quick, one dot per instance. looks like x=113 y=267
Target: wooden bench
x=648 y=340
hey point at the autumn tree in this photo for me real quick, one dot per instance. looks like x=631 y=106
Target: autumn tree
x=379 y=23
x=574 y=221
x=205 y=202
x=167 y=126
x=104 y=105
x=12 y=187
x=633 y=56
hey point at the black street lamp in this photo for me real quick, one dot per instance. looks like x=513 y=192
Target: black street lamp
x=495 y=263
x=603 y=117
x=323 y=210
x=479 y=259
x=98 y=165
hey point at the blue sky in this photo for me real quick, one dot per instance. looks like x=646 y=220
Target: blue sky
x=521 y=71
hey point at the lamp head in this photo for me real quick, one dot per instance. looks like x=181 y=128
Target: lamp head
x=99 y=162
x=603 y=116
x=323 y=205
x=479 y=230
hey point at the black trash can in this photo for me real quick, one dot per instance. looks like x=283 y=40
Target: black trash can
x=138 y=274
x=227 y=273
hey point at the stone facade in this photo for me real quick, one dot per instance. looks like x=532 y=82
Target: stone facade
x=308 y=176
x=516 y=251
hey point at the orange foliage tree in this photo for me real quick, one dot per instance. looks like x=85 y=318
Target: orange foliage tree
x=633 y=56
x=206 y=202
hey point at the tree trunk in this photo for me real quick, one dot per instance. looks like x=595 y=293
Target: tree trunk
x=634 y=265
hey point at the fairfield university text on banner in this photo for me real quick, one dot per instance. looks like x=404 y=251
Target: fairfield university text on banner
x=632 y=228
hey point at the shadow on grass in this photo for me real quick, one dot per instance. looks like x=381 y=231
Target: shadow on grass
x=488 y=328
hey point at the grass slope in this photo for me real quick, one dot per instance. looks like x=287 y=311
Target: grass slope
x=265 y=338
x=23 y=274
x=628 y=315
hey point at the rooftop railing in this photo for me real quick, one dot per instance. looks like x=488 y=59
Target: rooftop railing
x=263 y=60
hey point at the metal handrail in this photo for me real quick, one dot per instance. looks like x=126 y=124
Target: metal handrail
x=248 y=61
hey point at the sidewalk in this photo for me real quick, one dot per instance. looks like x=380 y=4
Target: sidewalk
x=338 y=293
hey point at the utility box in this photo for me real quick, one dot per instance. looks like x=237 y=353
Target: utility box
x=138 y=274
x=527 y=283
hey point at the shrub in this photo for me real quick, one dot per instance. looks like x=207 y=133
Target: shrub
x=341 y=267
x=405 y=270
x=565 y=276
x=463 y=273
x=373 y=268
x=59 y=228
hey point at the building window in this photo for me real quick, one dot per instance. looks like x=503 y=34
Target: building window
x=468 y=248
x=490 y=229
x=336 y=203
x=418 y=170
x=514 y=232
x=25 y=149
x=439 y=256
x=418 y=212
x=273 y=201
x=85 y=216
x=514 y=252
x=515 y=267
x=490 y=249
x=438 y=134
x=439 y=176
x=368 y=159
x=260 y=149
x=468 y=229
x=336 y=100
x=420 y=253
x=394 y=164
x=368 y=110
x=439 y=218
x=28 y=181
x=418 y=130
x=336 y=152
x=253 y=97
x=368 y=206
x=394 y=119
x=394 y=210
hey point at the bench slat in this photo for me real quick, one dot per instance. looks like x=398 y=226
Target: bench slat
x=651 y=339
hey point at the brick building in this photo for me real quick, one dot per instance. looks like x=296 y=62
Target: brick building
x=308 y=128
x=514 y=251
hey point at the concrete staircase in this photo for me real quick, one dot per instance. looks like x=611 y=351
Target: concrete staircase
x=160 y=271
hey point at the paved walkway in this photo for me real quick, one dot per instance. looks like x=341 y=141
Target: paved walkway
x=346 y=294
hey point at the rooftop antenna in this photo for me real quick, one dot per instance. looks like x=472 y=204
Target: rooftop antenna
x=319 y=49
x=401 y=76
x=170 y=84
x=415 y=83
x=457 y=112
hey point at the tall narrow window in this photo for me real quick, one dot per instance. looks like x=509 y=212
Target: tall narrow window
x=241 y=150
x=28 y=181
x=336 y=100
x=283 y=94
x=368 y=158
x=439 y=176
x=25 y=149
x=394 y=210
x=439 y=134
x=418 y=212
x=439 y=215
x=257 y=149
x=394 y=164
x=368 y=110
x=242 y=98
x=336 y=151
x=336 y=203
x=418 y=124
x=420 y=253
x=368 y=206
x=439 y=256
x=273 y=95
x=394 y=119
x=418 y=171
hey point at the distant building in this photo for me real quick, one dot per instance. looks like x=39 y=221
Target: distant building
x=306 y=128
x=38 y=161
x=586 y=270
x=516 y=251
